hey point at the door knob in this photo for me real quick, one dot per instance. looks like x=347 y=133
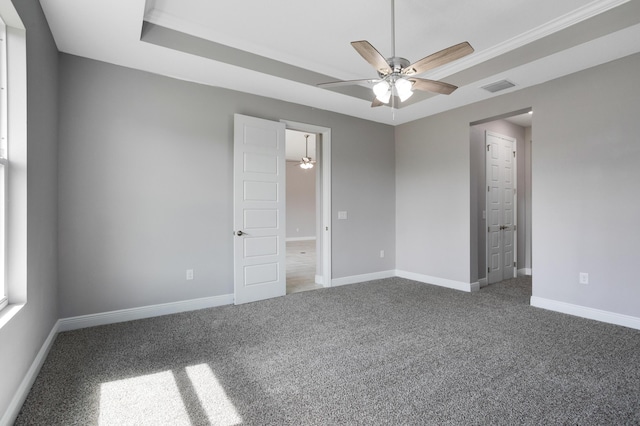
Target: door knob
x=240 y=233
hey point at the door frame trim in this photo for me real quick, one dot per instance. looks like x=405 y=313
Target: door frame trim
x=325 y=166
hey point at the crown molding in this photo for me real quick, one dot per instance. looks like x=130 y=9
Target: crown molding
x=558 y=24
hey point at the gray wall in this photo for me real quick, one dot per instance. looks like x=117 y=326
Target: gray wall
x=479 y=194
x=301 y=201
x=25 y=333
x=585 y=180
x=146 y=187
x=432 y=197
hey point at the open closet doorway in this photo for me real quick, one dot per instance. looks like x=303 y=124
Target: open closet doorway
x=500 y=156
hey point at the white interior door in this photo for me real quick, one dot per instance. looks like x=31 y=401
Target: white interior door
x=259 y=209
x=501 y=206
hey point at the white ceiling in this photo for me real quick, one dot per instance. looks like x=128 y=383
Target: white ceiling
x=282 y=49
x=522 y=120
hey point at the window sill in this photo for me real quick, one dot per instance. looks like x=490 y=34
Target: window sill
x=9 y=312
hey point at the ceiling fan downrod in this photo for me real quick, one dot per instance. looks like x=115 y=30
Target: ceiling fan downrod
x=393 y=29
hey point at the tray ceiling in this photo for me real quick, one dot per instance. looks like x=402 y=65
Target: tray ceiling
x=283 y=49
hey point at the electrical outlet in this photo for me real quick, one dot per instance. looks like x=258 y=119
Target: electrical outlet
x=381 y=253
x=584 y=278
x=189 y=274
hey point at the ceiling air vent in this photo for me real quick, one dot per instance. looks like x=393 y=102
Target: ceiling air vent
x=498 y=86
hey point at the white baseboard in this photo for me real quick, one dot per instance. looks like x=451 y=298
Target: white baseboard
x=300 y=239
x=122 y=315
x=25 y=386
x=586 y=312
x=483 y=282
x=362 y=278
x=319 y=279
x=442 y=282
x=524 y=271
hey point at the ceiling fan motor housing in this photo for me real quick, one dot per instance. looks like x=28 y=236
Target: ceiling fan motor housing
x=396 y=64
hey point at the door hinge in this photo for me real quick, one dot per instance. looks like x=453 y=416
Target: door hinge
x=488 y=188
x=488 y=146
x=514 y=264
x=514 y=154
x=488 y=269
x=515 y=227
x=488 y=229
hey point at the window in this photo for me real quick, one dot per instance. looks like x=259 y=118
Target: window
x=4 y=163
x=13 y=162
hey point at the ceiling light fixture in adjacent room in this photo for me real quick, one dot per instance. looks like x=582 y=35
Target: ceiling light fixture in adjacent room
x=306 y=162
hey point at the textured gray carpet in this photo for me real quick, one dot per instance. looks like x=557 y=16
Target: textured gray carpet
x=385 y=352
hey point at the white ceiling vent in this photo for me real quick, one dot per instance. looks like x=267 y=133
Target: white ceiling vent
x=498 y=86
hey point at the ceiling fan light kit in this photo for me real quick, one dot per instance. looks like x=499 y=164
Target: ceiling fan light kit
x=397 y=75
x=382 y=90
x=403 y=88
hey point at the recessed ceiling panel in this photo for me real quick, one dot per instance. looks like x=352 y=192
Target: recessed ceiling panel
x=282 y=49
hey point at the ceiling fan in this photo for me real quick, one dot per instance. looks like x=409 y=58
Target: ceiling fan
x=306 y=162
x=396 y=75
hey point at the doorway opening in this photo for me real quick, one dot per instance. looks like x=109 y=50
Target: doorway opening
x=500 y=162
x=308 y=207
x=302 y=210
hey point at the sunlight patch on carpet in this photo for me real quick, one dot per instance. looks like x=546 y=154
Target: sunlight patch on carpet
x=219 y=409
x=158 y=398
x=149 y=399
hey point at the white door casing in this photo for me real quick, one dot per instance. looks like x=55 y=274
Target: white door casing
x=259 y=209
x=501 y=206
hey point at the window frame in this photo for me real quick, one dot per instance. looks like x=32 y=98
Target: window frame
x=4 y=166
x=14 y=130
